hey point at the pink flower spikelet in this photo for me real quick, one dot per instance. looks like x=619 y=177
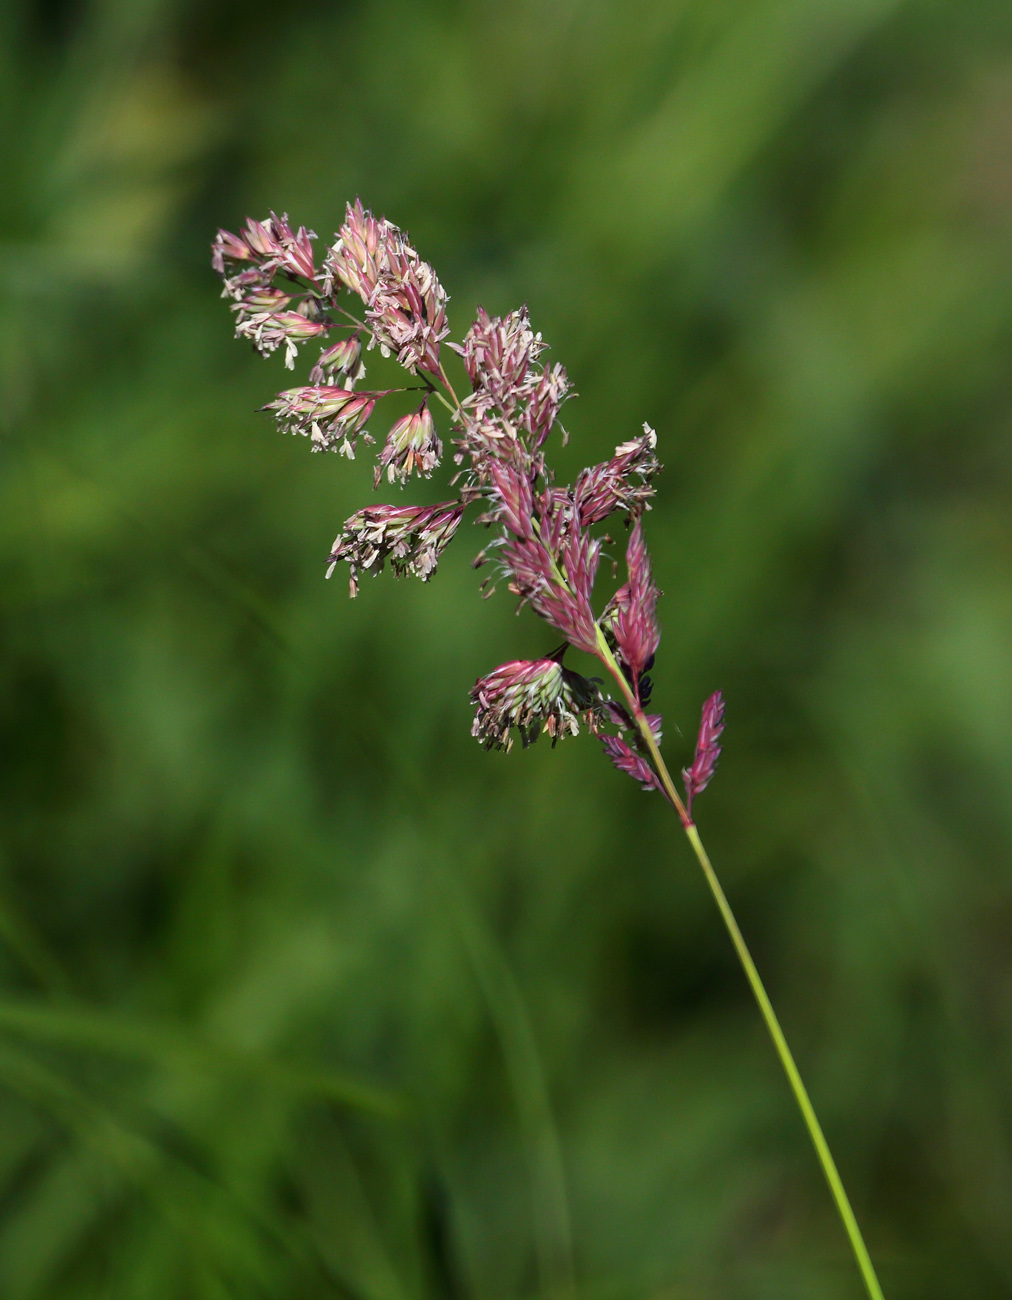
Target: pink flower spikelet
x=711 y=725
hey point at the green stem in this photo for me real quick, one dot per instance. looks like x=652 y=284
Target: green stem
x=755 y=981
x=355 y=320
x=437 y=394
x=449 y=386
x=790 y=1069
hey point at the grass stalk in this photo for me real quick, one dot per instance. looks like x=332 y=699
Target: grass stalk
x=825 y=1156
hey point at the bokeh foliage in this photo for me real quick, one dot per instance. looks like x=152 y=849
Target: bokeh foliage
x=302 y=995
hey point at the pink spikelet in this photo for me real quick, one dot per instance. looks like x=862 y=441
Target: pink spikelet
x=635 y=625
x=698 y=776
x=628 y=761
x=405 y=303
x=622 y=483
x=533 y=697
x=411 y=537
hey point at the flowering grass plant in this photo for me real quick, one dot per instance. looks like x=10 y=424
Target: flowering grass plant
x=373 y=290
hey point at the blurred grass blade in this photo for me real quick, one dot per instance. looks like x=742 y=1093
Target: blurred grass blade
x=72 y=1025
x=505 y=1003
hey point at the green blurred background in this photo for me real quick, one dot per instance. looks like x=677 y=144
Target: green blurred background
x=301 y=994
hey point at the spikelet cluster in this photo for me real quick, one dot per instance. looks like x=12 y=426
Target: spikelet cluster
x=372 y=289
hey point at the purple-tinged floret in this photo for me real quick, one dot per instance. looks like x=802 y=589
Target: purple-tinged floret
x=698 y=776
x=411 y=537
